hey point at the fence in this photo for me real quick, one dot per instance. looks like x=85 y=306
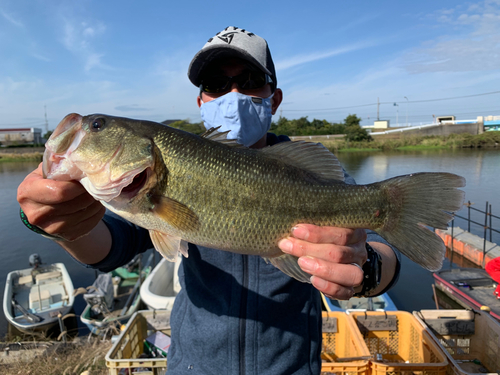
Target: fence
x=487 y=225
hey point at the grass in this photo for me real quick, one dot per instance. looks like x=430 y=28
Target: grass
x=26 y=156
x=414 y=142
x=421 y=147
x=85 y=354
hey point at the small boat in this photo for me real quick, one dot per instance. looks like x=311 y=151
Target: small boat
x=468 y=338
x=161 y=286
x=114 y=297
x=378 y=303
x=36 y=298
x=471 y=287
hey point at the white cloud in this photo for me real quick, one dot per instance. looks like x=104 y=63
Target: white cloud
x=473 y=46
x=11 y=19
x=303 y=59
x=41 y=57
x=93 y=60
x=77 y=38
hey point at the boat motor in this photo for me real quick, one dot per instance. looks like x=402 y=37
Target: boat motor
x=35 y=260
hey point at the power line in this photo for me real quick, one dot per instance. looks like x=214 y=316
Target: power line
x=392 y=102
x=23 y=123
x=455 y=97
x=454 y=114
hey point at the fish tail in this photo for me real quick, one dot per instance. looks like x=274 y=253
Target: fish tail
x=419 y=201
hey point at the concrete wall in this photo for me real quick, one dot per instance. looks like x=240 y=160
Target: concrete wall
x=446 y=129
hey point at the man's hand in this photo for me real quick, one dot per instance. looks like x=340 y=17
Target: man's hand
x=328 y=254
x=61 y=208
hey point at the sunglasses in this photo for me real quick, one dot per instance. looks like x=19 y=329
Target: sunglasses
x=248 y=80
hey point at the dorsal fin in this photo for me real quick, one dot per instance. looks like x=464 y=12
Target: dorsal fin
x=214 y=135
x=313 y=157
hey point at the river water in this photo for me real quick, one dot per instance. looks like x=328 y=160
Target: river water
x=481 y=168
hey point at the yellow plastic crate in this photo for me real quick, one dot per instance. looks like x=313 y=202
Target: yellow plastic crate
x=124 y=355
x=470 y=339
x=399 y=344
x=342 y=347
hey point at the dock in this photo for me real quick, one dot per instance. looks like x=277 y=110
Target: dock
x=474 y=248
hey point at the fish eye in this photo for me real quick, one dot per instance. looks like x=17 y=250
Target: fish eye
x=97 y=124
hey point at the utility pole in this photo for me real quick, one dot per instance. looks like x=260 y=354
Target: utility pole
x=397 y=114
x=46 y=122
x=407 y=101
x=378 y=106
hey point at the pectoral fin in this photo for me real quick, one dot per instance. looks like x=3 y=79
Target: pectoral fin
x=288 y=264
x=175 y=213
x=168 y=246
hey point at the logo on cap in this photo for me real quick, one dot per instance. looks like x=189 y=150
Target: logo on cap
x=227 y=37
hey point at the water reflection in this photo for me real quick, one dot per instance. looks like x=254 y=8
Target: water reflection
x=380 y=166
x=7 y=168
x=480 y=168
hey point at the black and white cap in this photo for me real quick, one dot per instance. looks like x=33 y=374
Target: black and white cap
x=233 y=42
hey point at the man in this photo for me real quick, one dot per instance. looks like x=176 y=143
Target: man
x=235 y=313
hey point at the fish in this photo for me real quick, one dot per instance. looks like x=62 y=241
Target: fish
x=210 y=191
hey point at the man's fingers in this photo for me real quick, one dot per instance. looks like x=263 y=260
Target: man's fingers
x=328 y=235
x=330 y=252
x=49 y=192
x=331 y=290
x=332 y=235
x=347 y=275
x=74 y=226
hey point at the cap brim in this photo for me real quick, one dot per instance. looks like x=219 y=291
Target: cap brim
x=203 y=58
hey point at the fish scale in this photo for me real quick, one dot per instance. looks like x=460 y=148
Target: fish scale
x=211 y=192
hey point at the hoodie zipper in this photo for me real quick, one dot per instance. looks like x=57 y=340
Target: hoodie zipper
x=243 y=314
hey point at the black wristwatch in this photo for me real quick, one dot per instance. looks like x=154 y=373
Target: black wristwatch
x=372 y=270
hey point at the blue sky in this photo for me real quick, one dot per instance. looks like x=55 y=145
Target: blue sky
x=333 y=58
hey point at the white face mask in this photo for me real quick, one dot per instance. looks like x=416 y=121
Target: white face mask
x=247 y=118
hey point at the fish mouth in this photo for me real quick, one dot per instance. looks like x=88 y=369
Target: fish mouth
x=138 y=182
x=63 y=141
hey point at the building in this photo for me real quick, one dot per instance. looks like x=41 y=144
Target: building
x=20 y=136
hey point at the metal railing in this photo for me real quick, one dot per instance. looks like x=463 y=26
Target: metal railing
x=487 y=225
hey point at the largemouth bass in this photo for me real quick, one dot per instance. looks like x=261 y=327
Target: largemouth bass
x=211 y=192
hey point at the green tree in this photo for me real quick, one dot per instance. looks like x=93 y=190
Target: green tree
x=353 y=130
x=195 y=128
x=352 y=120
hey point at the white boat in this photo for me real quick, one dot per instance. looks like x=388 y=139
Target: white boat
x=35 y=298
x=379 y=303
x=160 y=288
x=114 y=297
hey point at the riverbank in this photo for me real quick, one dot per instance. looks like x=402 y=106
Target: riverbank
x=84 y=355
x=9 y=154
x=485 y=140
x=414 y=142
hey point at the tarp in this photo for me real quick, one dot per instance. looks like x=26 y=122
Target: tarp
x=493 y=269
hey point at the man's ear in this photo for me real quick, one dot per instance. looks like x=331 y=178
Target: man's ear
x=276 y=100
x=198 y=101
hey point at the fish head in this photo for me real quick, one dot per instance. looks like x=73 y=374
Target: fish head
x=104 y=153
